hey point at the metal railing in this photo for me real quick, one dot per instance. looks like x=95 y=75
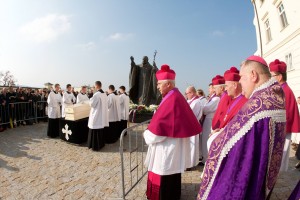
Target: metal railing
x=20 y=112
x=132 y=158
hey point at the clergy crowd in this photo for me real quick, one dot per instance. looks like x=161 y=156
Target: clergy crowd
x=241 y=133
x=108 y=115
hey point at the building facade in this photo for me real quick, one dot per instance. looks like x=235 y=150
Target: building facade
x=277 y=27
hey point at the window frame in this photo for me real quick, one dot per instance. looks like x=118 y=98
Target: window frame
x=282 y=15
x=268 y=30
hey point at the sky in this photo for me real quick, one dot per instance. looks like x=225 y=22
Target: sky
x=80 y=42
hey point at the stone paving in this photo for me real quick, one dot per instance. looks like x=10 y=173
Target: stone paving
x=33 y=166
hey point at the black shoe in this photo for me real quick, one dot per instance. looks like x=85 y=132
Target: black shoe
x=297 y=166
x=201 y=164
x=188 y=169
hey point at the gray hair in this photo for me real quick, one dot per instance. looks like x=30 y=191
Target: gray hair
x=170 y=81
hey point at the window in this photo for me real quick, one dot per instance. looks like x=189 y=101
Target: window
x=268 y=30
x=289 y=62
x=282 y=15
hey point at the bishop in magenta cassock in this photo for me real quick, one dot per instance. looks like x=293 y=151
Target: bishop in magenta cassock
x=278 y=70
x=168 y=136
x=244 y=159
x=237 y=100
x=234 y=91
x=222 y=108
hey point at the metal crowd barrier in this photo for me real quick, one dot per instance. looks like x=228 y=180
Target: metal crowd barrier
x=133 y=152
x=22 y=112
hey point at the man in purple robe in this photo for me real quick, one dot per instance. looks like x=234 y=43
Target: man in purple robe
x=244 y=159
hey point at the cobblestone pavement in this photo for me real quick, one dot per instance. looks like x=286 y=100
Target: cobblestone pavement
x=33 y=166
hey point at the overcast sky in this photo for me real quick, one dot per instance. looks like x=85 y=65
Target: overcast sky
x=79 y=42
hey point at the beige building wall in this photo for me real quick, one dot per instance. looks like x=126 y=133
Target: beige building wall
x=284 y=43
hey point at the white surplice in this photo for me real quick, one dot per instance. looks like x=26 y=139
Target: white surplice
x=124 y=106
x=81 y=98
x=54 y=101
x=166 y=155
x=196 y=107
x=114 y=113
x=98 y=117
x=208 y=110
x=68 y=100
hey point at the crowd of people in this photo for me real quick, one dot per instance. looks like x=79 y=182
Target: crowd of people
x=241 y=133
x=108 y=115
x=17 y=105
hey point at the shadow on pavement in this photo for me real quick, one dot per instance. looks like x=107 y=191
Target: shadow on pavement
x=14 y=143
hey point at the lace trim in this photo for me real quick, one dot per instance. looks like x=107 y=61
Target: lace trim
x=263 y=86
x=277 y=116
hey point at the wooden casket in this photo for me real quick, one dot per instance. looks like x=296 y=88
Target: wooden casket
x=77 y=111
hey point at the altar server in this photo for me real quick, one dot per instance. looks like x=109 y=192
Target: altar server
x=98 y=118
x=278 y=71
x=68 y=99
x=168 y=139
x=82 y=95
x=114 y=115
x=54 y=103
x=124 y=107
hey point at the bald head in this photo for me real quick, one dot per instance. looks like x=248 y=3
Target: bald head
x=190 y=92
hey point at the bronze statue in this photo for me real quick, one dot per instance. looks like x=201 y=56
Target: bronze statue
x=142 y=83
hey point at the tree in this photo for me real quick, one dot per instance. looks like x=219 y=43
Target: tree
x=7 y=79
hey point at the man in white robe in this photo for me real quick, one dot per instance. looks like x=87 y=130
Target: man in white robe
x=168 y=140
x=68 y=99
x=98 y=118
x=209 y=110
x=124 y=107
x=82 y=95
x=114 y=116
x=54 y=102
x=196 y=106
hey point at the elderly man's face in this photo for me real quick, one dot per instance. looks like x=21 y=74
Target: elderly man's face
x=248 y=85
x=211 y=90
x=164 y=87
x=230 y=87
x=218 y=89
x=189 y=94
x=277 y=76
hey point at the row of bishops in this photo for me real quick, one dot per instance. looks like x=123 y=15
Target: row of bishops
x=241 y=133
x=108 y=115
